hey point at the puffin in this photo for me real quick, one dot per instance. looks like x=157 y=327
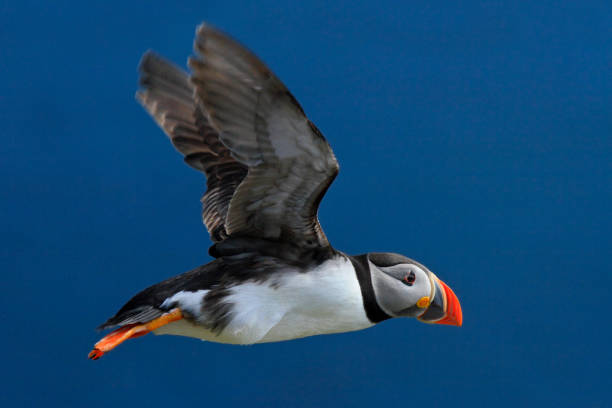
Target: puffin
x=274 y=276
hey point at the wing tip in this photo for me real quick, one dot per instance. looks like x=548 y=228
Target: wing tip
x=201 y=34
x=147 y=60
x=205 y=28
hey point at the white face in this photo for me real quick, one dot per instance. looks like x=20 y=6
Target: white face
x=405 y=289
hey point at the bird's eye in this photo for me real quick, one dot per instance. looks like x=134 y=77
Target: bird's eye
x=409 y=278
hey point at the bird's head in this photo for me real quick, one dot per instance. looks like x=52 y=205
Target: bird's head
x=405 y=288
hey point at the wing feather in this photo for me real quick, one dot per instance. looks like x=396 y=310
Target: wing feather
x=267 y=166
x=290 y=163
x=168 y=96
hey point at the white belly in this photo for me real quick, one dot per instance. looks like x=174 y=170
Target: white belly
x=325 y=300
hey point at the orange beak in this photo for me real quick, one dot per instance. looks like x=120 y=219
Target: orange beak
x=454 y=316
x=444 y=307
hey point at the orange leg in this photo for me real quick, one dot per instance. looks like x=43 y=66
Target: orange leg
x=114 y=338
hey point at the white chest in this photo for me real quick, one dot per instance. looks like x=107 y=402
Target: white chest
x=325 y=300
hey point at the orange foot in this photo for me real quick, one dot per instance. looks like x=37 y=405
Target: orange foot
x=130 y=331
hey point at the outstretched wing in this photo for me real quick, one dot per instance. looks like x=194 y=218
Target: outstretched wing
x=168 y=96
x=290 y=164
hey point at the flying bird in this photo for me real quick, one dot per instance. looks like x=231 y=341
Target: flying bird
x=275 y=276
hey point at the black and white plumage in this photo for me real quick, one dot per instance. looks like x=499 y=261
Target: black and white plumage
x=275 y=276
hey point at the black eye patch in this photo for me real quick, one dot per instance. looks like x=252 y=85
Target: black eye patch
x=409 y=279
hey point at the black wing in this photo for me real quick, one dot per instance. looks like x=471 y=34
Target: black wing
x=168 y=96
x=290 y=164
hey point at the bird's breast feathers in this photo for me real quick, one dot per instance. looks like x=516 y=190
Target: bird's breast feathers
x=291 y=305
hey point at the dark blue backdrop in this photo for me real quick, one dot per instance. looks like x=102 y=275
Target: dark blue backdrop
x=475 y=137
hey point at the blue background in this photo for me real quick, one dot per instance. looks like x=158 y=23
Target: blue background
x=475 y=137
